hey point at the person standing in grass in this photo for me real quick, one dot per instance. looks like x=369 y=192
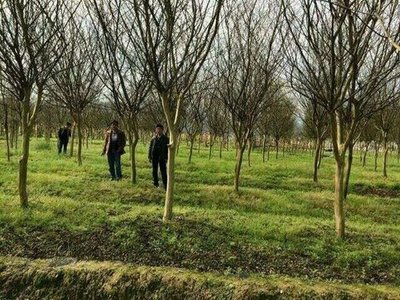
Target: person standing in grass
x=114 y=147
x=64 y=134
x=158 y=155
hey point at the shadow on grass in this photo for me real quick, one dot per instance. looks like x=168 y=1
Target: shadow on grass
x=199 y=245
x=379 y=190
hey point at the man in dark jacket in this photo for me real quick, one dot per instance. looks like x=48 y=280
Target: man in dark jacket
x=63 y=137
x=158 y=154
x=114 y=144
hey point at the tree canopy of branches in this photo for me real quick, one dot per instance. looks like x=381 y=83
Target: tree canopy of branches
x=246 y=69
x=173 y=39
x=31 y=44
x=75 y=84
x=337 y=56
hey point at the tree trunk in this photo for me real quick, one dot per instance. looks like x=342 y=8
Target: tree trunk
x=385 y=155
x=250 y=143
x=364 y=159
x=198 y=149
x=6 y=131
x=210 y=147
x=191 y=149
x=23 y=165
x=276 y=148
x=71 y=149
x=27 y=123
x=80 y=136
x=263 y=147
x=398 y=152
x=169 y=195
x=133 y=141
x=339 y=198
x=321 y=154
x=179 y=143
x=12 y=134
x=87 y=138
x=316 y=160
x=283 y=148
x=221 y=144
x=348 y=169
x=239 y=159
x=376 y=156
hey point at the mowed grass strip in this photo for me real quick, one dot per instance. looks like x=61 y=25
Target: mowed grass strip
x=279 y=223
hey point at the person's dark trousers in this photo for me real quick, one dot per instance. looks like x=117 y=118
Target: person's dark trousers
x=114 y=163
x=163 y=169
x=62 y=146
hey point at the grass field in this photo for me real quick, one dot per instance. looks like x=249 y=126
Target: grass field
x=280 y=224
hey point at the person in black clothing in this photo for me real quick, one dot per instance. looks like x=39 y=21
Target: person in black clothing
x=114 y=144
x=158 y=155
x=63 y=137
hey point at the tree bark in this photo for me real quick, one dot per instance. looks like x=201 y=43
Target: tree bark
x=191 y=148
x=133 y=141
x=376 y=156
x=71 y=149
x=316 y=160
x=364 y=159
x=210 y=147
x=27 y=124
x=179 y=143
x=385 y=154
x=276 y=148
x=348 y=169
x=250 y=143
x=339 y=198
x=263 y=149
x=6 y=131
x=169 y=195
x=221 y=144
x=23 y=166
x=239 y=159
x=321 y=154
x=80 y=137
x=198 y=149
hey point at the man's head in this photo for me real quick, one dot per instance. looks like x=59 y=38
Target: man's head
x=69 y=125
x=114 y=125
x=159 y=129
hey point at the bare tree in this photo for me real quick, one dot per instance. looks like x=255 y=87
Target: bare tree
x=124 y=74
x=5 y=101
x=280 y=124
x=195 y=114
x=385 y=121
x=75 y=84
x=30 y=47
x=173 y=39
x=343 y=63
x=368 y=135
x=316 y=126
x=247 y=60
x=216 y=122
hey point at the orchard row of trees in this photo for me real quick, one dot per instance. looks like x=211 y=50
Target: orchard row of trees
x=228 y=68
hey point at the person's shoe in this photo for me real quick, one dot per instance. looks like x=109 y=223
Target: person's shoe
x=112 y=179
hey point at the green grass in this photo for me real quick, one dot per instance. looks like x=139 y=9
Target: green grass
x=279 y=223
